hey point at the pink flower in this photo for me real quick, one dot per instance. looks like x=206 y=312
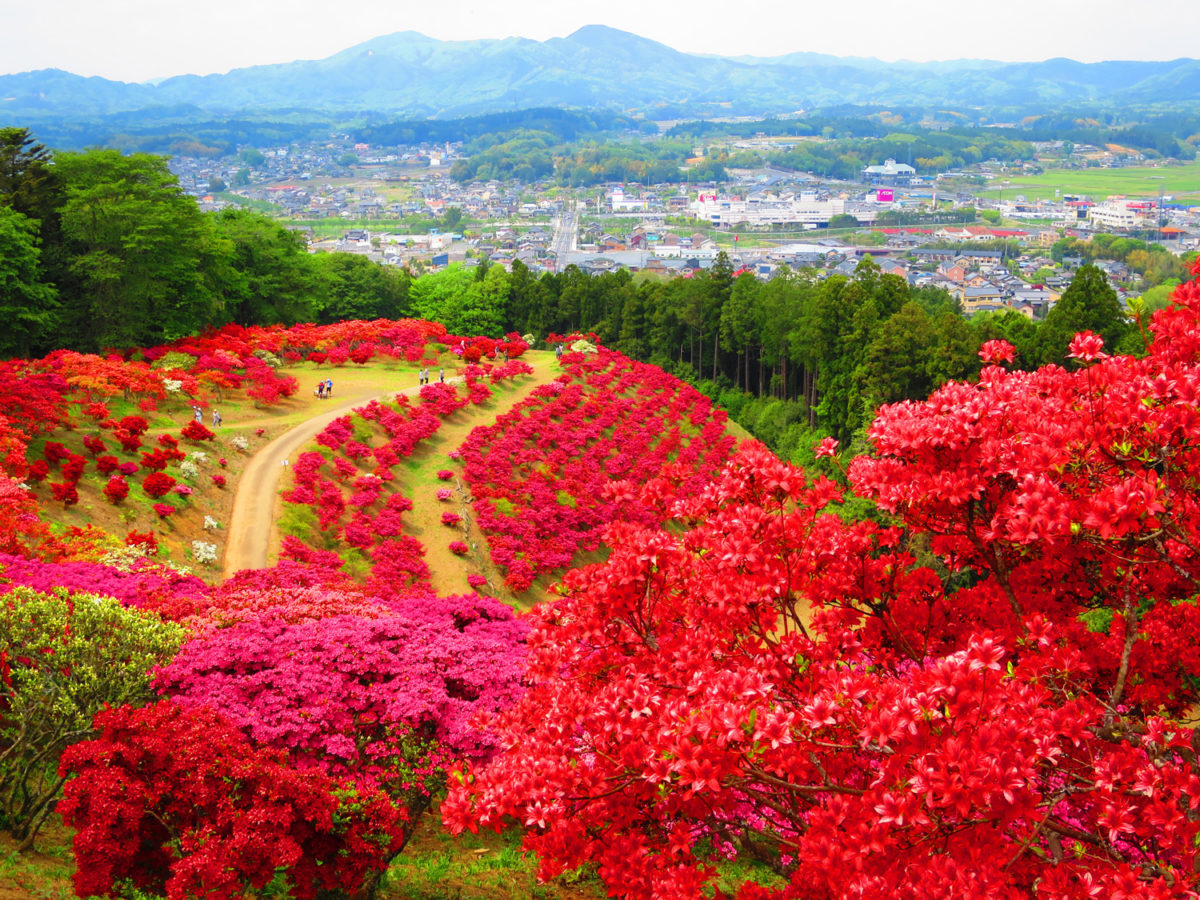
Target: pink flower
x=444 y=493
x=476 y=581
x=163 y=509
x=458 y=548
x=445 y=474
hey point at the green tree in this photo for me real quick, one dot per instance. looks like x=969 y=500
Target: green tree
x=141 y=253
x=1088 y=304
x=739 y=324
x=358 y=288
x=27 y=179
x=438 y=296
x=482 y=307
x=895 y=364
x=68 y=656
x=270 y=277
x=28 y=306
x=954 y=353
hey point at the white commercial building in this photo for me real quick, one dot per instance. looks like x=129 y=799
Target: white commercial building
x=1113 y=215
x=723 y=212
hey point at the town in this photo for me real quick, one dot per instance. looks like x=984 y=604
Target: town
x=990 y=247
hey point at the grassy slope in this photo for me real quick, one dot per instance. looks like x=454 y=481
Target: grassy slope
x=435 y=865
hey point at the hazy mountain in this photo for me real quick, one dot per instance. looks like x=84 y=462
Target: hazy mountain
x=408 y=74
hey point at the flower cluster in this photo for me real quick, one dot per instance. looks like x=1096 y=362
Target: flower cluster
x=544 y=473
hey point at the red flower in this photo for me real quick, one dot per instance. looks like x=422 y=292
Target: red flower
x=1087 y=346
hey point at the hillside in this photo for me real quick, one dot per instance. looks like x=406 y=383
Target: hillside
x=409 y=74
x=392 y=446
x=547 y=600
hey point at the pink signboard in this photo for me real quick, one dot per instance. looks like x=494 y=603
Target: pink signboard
x=884 y=195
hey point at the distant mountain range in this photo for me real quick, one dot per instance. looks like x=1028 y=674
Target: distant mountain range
x=408 y=74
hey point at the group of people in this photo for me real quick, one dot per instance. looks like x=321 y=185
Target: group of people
x=324 y=388
x=198 y=415
x=423 y=376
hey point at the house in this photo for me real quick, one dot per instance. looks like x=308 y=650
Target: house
x=891 y=172
x=952 y=271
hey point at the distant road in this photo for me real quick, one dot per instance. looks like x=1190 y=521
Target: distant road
x=566 y=230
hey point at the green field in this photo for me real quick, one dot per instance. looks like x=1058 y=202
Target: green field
x=1181 y=182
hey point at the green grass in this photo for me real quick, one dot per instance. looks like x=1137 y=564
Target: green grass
x=478 y=866
x=1181 y=182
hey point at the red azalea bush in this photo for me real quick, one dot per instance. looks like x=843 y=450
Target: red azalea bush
x=144 y=539
x=450 y=518
x=219 y=480
x=195 y=431
x=117 y=489
x=94 y=445
x=66 y=493
x=982 y=697
x=107 y=464
x=174 y=800
x=72 y=469
x=458 y=548
x=158 y=484
x=55 y=452
x=163 y=510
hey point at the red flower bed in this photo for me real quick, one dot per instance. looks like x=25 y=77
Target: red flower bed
x=547 y=476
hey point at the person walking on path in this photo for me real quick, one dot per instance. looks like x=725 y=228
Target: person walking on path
x=442 y=375
x=328 y=387
x=216 y=417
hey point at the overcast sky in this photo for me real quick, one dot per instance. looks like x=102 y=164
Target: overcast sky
x=141 y=40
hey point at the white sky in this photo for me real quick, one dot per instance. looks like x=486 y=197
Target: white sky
x=140 y=40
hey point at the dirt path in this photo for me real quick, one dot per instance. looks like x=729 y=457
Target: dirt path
x=253 y=524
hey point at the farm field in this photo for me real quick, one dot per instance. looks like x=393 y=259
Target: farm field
x=1181 y=182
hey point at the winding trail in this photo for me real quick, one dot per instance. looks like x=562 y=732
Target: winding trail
x=254 y=522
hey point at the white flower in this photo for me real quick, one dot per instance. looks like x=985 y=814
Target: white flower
x=204 y=553
x=211 y=524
